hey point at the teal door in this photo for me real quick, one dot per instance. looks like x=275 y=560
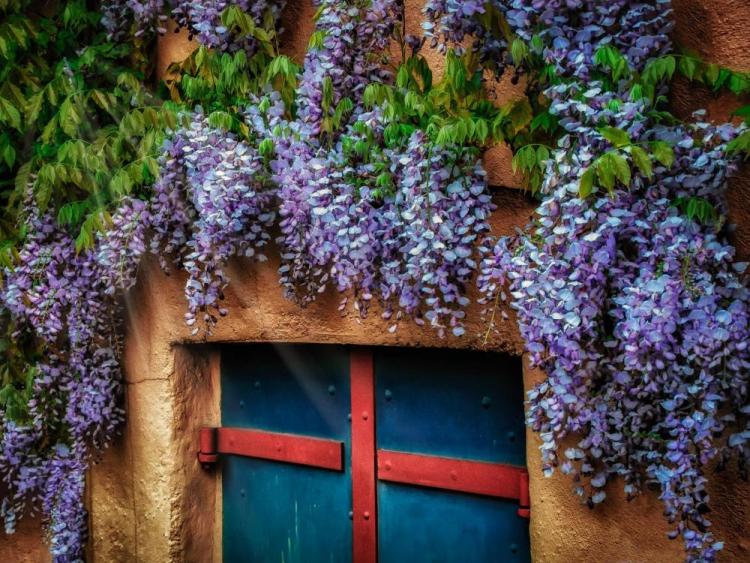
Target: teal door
x=334 y=454
x=276 y=511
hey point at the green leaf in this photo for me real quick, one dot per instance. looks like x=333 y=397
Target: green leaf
x=542 y=156
x=614 y=105
x=636 y=92
x=69 y=117
x=620 y=165
x=201 y=56
x=739 y=83
x=688 y=67
x=519 y=52
x=670 y=65
x=402 y=78
x=697 y=208
x=343 y=108
x=33 y=108
x=221 y=120
x=740 y=144
x=9 y=114
x=537 y=44
x=9 y=155
x=521 y=157
x=520 y=114
x=711 y=74
x=482 y=130
x=586 y=186
x=266 y=148
x=72 y=213
x=544 y=121
x=743 y=112
x=445 y=135
x=121 y=183
x=316 y=40
x=663 y=153
x=152 y=165
x=617 y=137
x=22 y=177
x=49 y=130
x=327 y=87
x=609 y=57
x=642 y=161
x=384 y=180
x=605 y=171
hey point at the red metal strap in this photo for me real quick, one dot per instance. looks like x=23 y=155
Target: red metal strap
x=478 y=477
x=364 y=492
x=289 y=448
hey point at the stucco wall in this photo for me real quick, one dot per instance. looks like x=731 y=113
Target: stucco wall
x=151 y=502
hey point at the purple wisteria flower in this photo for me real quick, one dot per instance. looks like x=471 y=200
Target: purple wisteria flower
x=637 y=314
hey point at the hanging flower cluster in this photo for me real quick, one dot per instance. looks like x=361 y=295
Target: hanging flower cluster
x=638 y=314
x=572 y=32
x=451 y=23
x=203 y=19
x=61 y=299
x=212 y=202
x=408 y=243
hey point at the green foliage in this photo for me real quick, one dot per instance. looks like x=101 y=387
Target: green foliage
x=530 y=161
x=662 y=69
x=698 y=208
x=741 y=145
x=77 y=123
x=224 y=82
x=454 y=111
x=616 y=165
x=611 y=59
x=625 y=158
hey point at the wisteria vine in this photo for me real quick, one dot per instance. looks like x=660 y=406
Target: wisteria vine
x=203 y=20
x=637 y=313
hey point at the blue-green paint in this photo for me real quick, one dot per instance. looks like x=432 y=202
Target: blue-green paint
x=447 y=403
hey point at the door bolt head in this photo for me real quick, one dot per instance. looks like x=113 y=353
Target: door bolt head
x=388 y=395
x=388 y=466
x=454 y=475
x=351 y=514
x=331 y=390
x=278 y=446
x=366 y=515
x=365 y=415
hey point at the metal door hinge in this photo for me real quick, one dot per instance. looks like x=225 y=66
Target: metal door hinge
x=524 y=496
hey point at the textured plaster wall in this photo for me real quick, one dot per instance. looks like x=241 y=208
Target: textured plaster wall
x=25 y=546
x=150 y=501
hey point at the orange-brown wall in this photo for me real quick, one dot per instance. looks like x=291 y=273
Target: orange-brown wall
x=149 y=500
